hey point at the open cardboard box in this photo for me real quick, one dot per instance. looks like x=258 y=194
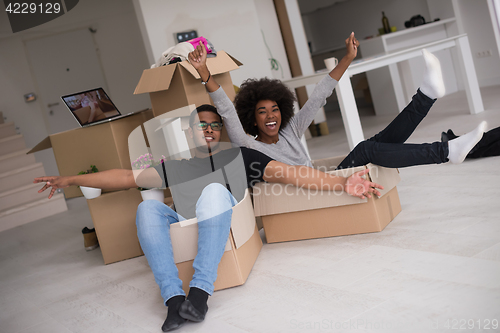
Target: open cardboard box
x=290 y=213
x=174 y=86
x=114 y=221
x=241 y=252
x=104 y=145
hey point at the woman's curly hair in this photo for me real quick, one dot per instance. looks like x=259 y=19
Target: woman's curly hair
x=254 y=90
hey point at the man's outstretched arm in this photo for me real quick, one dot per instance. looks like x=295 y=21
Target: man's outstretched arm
x=116 y=179
x=303 y=176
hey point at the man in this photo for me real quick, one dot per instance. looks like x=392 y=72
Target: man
x=206 y=186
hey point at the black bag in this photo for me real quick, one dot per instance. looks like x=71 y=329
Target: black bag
x=415 y=21
x=489 y=145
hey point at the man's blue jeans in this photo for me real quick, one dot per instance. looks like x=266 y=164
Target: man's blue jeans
x=213 y=211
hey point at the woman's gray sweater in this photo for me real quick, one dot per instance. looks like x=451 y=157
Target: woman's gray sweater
x=289 y=148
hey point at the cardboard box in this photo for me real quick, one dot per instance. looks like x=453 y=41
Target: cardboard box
x=104 y=145
x=289 y=213
x=177 y=85
x=113 y=215
x=114 y=221
x=241 y=252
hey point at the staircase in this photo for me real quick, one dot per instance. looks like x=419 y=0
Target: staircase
x=20 y=202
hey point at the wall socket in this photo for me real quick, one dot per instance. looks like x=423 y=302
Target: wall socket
x=483 y=54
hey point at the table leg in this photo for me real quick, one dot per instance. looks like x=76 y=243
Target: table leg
x=397 y=85
x=469 y=76
x=349 y=110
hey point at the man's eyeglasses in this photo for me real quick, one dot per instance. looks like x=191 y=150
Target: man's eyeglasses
x=201 y=126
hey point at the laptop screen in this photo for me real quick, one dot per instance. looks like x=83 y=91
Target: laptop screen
x=91 y=106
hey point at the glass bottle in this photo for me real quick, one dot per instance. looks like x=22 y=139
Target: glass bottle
x=385 y=24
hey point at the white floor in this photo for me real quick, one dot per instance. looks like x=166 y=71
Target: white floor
x=435 y=268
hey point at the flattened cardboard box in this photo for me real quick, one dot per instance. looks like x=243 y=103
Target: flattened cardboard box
x=293 y=214
x=174 y=86
x=114 y=220
x=104 y=145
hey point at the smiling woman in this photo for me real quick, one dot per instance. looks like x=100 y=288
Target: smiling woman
x=266 y=109
x=263 y=112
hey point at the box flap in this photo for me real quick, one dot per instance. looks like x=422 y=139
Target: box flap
x=222 y=63
x=155 y=79
x=274 y=198
x=243 y=222
x=327 y=164
x=247 y=254
x=236 y=61
x=346 y=172
x=386 y=177
x=42 y=145
x=184 y=240
x=184 y=234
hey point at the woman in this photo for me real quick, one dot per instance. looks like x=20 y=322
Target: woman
x=265 y=109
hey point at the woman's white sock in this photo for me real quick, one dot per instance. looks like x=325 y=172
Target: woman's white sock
x=459 y=148
x=432 y=83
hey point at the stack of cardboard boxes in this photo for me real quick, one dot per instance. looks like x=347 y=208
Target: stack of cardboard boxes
x=106 y=146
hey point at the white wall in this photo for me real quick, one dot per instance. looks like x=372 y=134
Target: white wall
x=121 y=52
x=232 y=26
x=329 y=27
x=474 y=19
x=442 y=9
x=494 y=8
x=15 y=80
x=269 y=25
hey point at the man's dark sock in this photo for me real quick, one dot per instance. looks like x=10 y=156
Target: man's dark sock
x=174 y=320
x=198 y=298
x=195 y=306
x=447 y=136
x=451 y=135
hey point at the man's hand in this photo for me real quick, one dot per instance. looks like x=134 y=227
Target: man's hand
x=359 y=187
x=198 y=58
x=54 y=181
x=115 y=179
x=352 y=45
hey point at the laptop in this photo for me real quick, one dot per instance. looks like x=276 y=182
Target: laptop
x=92 y=107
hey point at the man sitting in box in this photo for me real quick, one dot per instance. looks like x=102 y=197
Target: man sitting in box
x=206 y=186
